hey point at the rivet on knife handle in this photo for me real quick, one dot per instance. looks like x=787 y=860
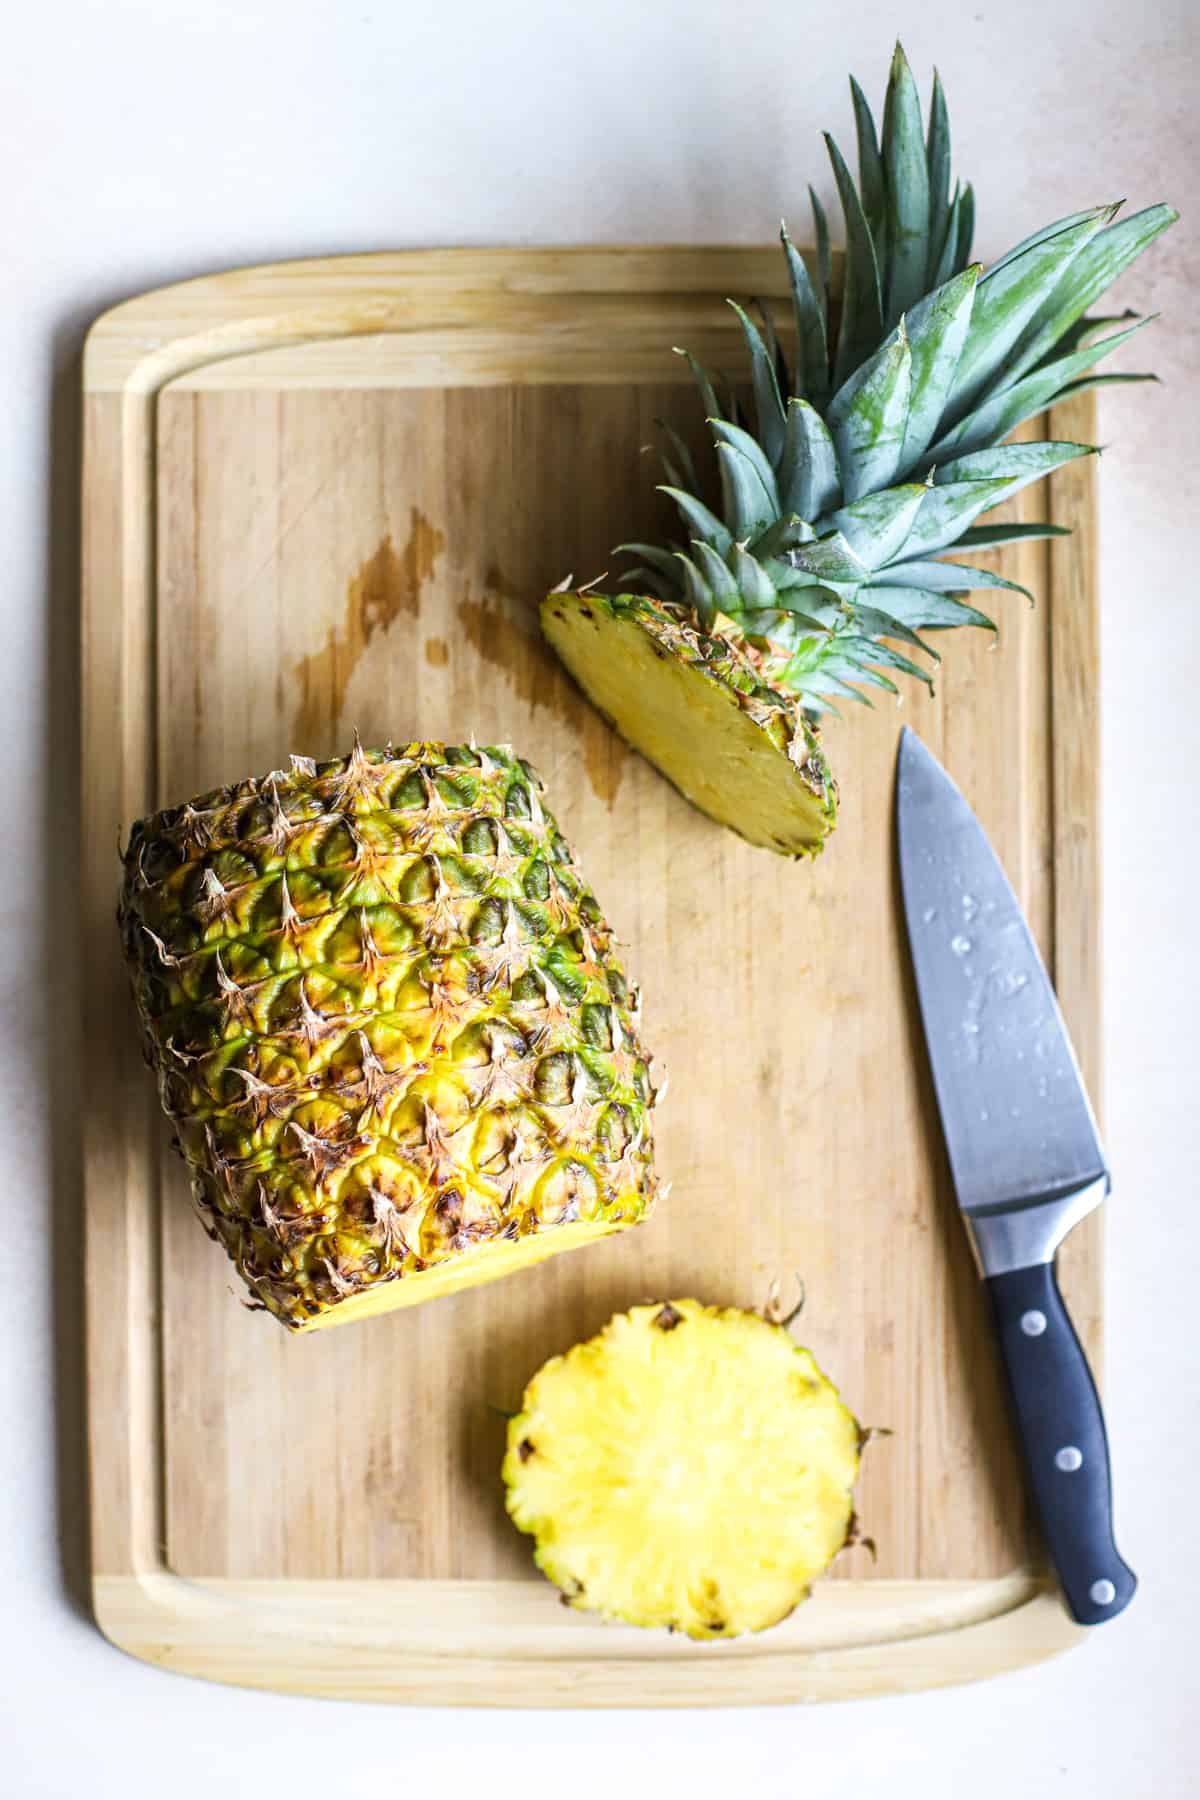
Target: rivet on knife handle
x=1063 y=1438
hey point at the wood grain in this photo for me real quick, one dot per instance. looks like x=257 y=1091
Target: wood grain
x=329 y=496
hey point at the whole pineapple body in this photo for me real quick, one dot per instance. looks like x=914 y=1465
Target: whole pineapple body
x=689 y=1468
x=874 y=440
x=389 y=1028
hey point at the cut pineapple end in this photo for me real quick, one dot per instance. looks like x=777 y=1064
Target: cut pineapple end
x=488 y=1262
x=689 y=725
x=689 y=1467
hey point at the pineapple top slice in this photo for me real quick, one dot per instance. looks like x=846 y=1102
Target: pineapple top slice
x=877 y=445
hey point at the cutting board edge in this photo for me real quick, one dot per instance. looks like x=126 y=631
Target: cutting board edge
x=342 y=1644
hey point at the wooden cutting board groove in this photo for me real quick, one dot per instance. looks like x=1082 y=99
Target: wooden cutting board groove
x=328 y=495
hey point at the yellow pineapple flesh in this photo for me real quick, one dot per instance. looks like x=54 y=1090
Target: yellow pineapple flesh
x=689 y=1467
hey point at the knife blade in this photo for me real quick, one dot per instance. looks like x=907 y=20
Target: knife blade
x=1025 y=1156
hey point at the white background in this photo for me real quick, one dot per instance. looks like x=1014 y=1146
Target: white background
x=144 y=142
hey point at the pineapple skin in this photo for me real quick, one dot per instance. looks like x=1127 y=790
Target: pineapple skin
x=387 y=1024
x=688 y=1468
x=721 y=711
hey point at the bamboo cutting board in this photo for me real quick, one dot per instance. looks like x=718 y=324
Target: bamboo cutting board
x=325 y=496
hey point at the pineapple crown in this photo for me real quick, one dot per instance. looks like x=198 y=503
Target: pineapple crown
x=879 y=444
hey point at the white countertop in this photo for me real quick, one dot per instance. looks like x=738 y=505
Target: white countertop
x=147 y=140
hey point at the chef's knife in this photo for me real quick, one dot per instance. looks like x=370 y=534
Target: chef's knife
x=1024 y=1152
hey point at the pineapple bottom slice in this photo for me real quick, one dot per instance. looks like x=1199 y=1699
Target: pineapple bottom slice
x=690 y=1467
x=697 y=706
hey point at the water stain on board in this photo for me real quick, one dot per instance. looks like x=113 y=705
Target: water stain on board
x=530 y=667
x=388 y=583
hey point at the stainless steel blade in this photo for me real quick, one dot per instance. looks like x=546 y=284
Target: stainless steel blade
x=1018 y=1126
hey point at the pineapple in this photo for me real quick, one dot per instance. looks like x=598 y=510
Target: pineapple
x=690 y=1467
x=873 y=452
x=765 y=759
x=388 y=1026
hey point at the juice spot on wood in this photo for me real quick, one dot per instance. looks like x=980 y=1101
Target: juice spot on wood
x=437 y=652
x=388 y=583
x=531 y=668
x=497 y=582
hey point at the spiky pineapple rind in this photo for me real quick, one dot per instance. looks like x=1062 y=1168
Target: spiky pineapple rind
x=689 y=1467
x=684 y=695
x=388 y=1025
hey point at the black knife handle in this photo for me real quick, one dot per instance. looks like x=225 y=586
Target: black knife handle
x=1063 y=1437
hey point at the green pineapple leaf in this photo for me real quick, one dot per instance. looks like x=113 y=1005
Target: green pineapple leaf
x=944 y=578
x=767 y=401
x=907 y=192
x=862 y=305
x=1084 y=329
x=949 y=508
x=745 y=445
x=718 y=577
x=680 y=472
x=747 y=506
x=878 y=526
x=812 y=350
x=925 y=611
x=699 y=520
x=699 y=595
x=890 y=658
x=995 y=417
x=868 y=417
x=877 y=622
x=992 y=537
x=831 y=559
x=649 y=581
x=704 y=381
x=785 y=576
x=1017 y=464
x=871 y=186
x=774 y=347
x=1008 y=298
x=808 y=469
x=937 y=157
x=1097 y=266
x=937 y=329
x=947 y=261
x=1041 y=236
x=965 y=225
x=657 y=558
x=1095 y=381
x=785 y=534
x=754 y=585
x=824 y=254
